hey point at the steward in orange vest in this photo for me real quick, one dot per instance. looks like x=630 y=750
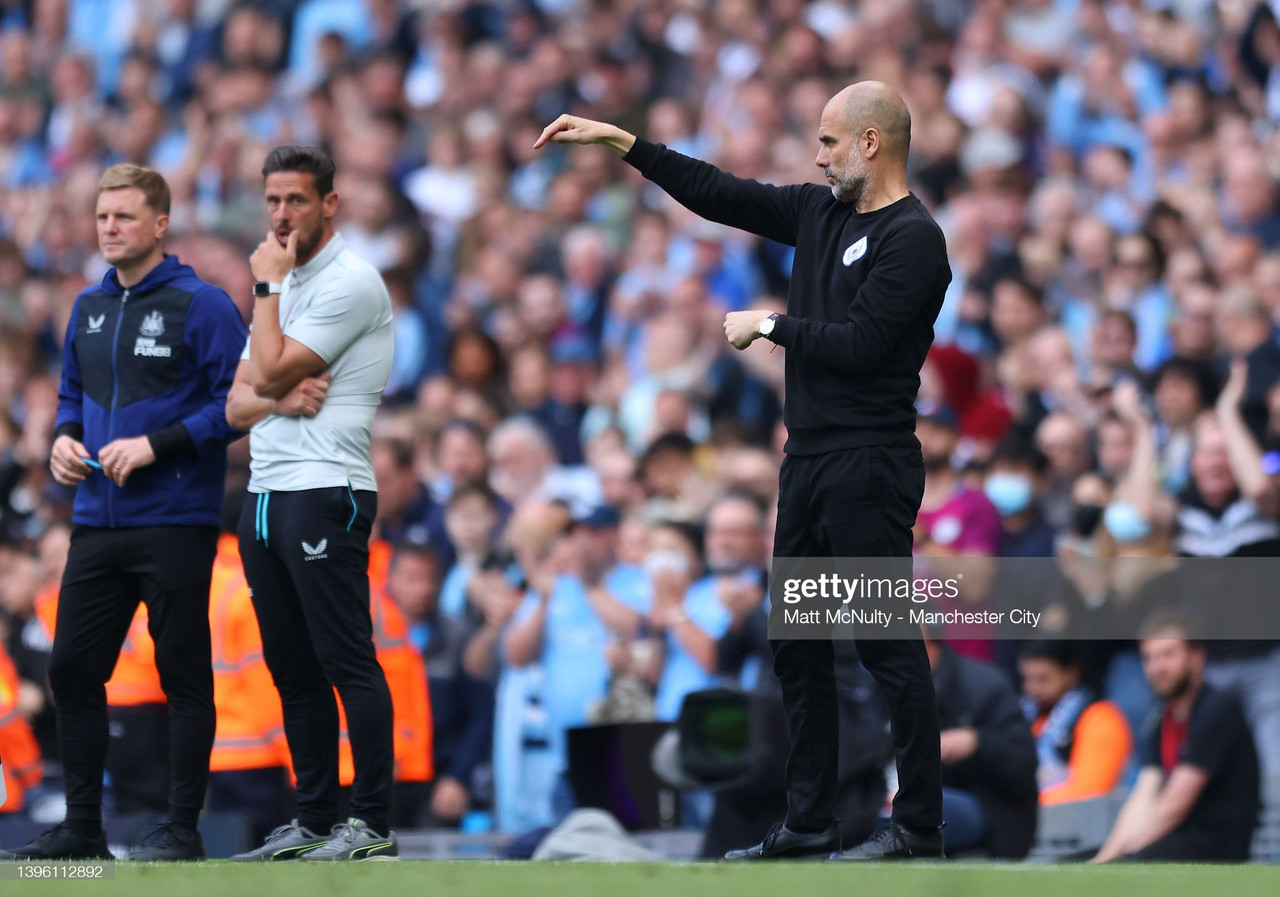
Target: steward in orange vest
x=19 y=752
x=406 y=678
x=250 y=732
x=249 y=767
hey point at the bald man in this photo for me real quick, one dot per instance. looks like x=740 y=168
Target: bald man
x=867 y=283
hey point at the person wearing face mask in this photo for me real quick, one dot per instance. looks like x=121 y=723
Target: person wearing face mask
x=1013 y=485
x=694 y=618
x=1090 y=495
x=1138 y=515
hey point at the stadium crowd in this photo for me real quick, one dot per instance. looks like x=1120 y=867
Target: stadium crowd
x=577 y=475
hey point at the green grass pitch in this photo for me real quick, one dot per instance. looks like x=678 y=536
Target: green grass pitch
x=472 y=879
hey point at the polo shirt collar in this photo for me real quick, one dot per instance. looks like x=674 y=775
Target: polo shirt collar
x=330 y=252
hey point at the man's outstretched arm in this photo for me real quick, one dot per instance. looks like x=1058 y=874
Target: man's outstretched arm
x=769 y=211
x=585 y=132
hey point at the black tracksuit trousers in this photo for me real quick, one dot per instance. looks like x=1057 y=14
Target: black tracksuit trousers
x=306 y=557
x=858 y=502
x=108 y=572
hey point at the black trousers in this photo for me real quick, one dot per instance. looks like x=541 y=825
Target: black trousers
x=108 y=572
x=1195 y=845
x=859 y=502
x=306 y=557
x=138 y=758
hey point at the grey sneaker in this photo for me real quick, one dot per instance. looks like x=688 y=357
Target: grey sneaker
x=288 y=842
x=356 y=841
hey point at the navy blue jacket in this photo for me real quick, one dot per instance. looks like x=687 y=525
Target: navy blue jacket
x=155 y=360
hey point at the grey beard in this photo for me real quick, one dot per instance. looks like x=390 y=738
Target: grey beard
x=849 y=189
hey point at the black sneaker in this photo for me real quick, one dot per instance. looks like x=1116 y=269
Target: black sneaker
x=893 y=842
x=783 y=844
x=288 y=842
x=62 y=842
x=169 y=841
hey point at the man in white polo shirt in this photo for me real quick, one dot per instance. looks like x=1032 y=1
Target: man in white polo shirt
x=308 y=385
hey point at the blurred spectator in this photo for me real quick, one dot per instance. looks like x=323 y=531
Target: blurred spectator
x=988 y=758
x=954 y=519
x=1064 y=442
x=461 y=705
x=404 y=504
x=1082 y=744
x=1196 y=798
x=1014 y=482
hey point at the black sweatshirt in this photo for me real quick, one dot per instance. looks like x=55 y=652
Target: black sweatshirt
x=865 y=291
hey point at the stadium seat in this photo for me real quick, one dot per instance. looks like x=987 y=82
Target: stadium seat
x=1069 y=828
x=1266 y=840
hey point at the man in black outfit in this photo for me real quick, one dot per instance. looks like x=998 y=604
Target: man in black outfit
x=868 y=280
x=1196 y=798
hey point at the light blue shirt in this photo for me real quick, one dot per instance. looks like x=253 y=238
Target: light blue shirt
x=576 y=673
x=682 y=674
x=315 y=19
x=453 y=593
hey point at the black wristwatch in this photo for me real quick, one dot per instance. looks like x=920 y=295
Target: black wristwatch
x=263 y=288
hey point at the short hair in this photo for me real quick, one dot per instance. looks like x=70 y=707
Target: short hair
x=1199 y=373
x=419 y=548
x=525 y=427
x=474 y=490
x=155 y=189
x=690 y=533
x=400 y=450
x=739 y=496
x=460 y=424
x=1024 y=287
x=1125 y=319
x=679 y=443
x=310 y=160
x=1018 y=448
x=1160 y=621
x=1064 y=653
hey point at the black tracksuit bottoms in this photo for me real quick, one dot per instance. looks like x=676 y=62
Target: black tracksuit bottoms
x=306 y=557
x=855 y=503
x=108 y=572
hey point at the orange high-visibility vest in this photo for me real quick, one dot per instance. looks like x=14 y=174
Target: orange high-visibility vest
x=406 y=674
x=134 y=680
x=19 y=752
x=250 y=732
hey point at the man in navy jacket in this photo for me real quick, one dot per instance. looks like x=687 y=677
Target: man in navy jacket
x=149 y=357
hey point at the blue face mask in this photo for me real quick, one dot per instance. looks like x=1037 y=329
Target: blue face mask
x=1011 y=493
x=1124 y=522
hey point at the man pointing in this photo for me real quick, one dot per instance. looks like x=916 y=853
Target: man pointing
x=868 y=281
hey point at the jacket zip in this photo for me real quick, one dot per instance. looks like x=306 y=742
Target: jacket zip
x=115 y=391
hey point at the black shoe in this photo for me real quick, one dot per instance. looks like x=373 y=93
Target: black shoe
x=893 y=842
x=783 y=844
x=62 y=842
x=169 y=841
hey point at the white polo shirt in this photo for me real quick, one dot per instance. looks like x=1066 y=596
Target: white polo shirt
x=338 y=307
